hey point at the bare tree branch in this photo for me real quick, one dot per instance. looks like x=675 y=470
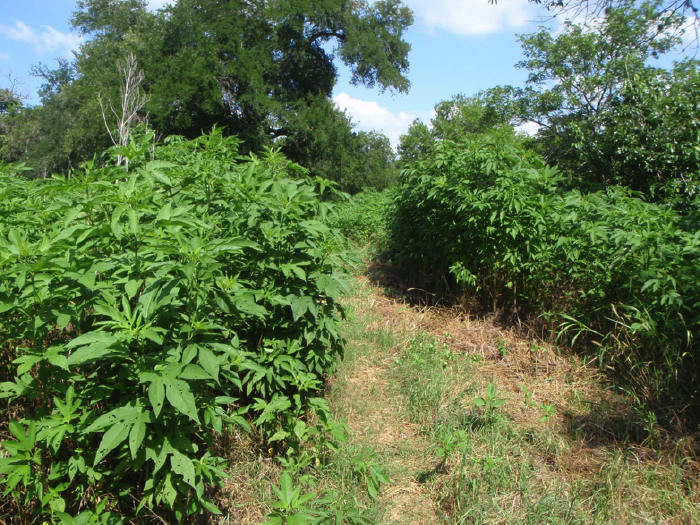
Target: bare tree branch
x=133 y=100
x=12 y=91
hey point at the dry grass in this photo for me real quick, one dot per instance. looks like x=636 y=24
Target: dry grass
x=592 y=461
x=363 y=393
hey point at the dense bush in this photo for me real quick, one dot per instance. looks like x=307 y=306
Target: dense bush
x=142 y=312
x=491 y=219
x=363 y=217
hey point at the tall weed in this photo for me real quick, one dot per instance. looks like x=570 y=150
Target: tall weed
x=491 y=220
x=142 y=312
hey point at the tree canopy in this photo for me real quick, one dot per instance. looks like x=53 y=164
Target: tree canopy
x=455 y=119
x=249 y=66
x=580 y=79
x=260 y=69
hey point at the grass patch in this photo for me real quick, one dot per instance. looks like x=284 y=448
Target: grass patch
x=494 y=466
x=472 y=423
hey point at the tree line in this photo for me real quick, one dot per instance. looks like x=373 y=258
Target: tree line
x=607 y=112
x=263 y=71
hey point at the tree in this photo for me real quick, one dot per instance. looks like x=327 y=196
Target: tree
x=651 y=135
x=465 y=115
x=67 y=127
x=11 y=96
x=32 y=134
x=378 y=161
x=415 y=143
x=591 y=10
x=578 y=75
x=11 y=104
x=457 y=119
x=321 y=138
x=251 y=66
x=132 y=99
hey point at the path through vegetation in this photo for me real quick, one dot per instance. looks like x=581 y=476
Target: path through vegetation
x=475 y=423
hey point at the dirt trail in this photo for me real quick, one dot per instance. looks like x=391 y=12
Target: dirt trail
x=372 y=404
x=372 y=407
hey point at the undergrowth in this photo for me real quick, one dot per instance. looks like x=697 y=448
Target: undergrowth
x=145 y=312
x=487 y=220
x=492 y=468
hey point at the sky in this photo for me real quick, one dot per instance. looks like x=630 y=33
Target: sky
x=458 y=46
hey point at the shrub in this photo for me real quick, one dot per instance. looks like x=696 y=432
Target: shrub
x=363 y=218
x=490 y=219
x=142 y=312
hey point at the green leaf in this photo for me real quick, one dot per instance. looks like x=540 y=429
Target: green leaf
x=122 y=414
x=156 y=395
x=63 y=319
x=92 y=337
x=286 y=492
x=194 y=372
x=180 y=396
x=90 y=354
x=159 y=165
x=134 y=221
x=26 y=363
x=182 y=465
x=153 y=335
x=137 y=434
x=209 y=362
x=111 y=440
x=132 y=287
x=280 y=435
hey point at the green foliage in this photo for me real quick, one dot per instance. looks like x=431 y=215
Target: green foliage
x=416 y=143
x=487 y=218
x=490 y=401
x=456 y=119
x=293 y=507
x=451 y=442
x=320 y=138
x=576 y=80
x=370 y=472
x=144 y=314
x=651 y=136
x=462 y=116
x=263 y=71
x=363 y=218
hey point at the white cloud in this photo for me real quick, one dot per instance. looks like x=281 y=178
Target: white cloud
x=530 y=128
x=44 y=41
x=473 y=17
x=4 y=56
x=370 y=116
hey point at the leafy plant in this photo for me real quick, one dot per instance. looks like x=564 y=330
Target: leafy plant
x=491 y=401
x=502 y=348
x=371 y=472
x=144 y=312
x=451 y=442
x=486 y=219
x=549 y=411
x=291 y=505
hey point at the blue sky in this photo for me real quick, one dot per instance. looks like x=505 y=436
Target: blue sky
x=459 y=46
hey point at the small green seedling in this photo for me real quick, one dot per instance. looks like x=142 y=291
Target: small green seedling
x=371 y=472
x=548 y=410
x=490 y=401
x=502 y=348
x=451 y=441
x=528 y=395
x=290 y=507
